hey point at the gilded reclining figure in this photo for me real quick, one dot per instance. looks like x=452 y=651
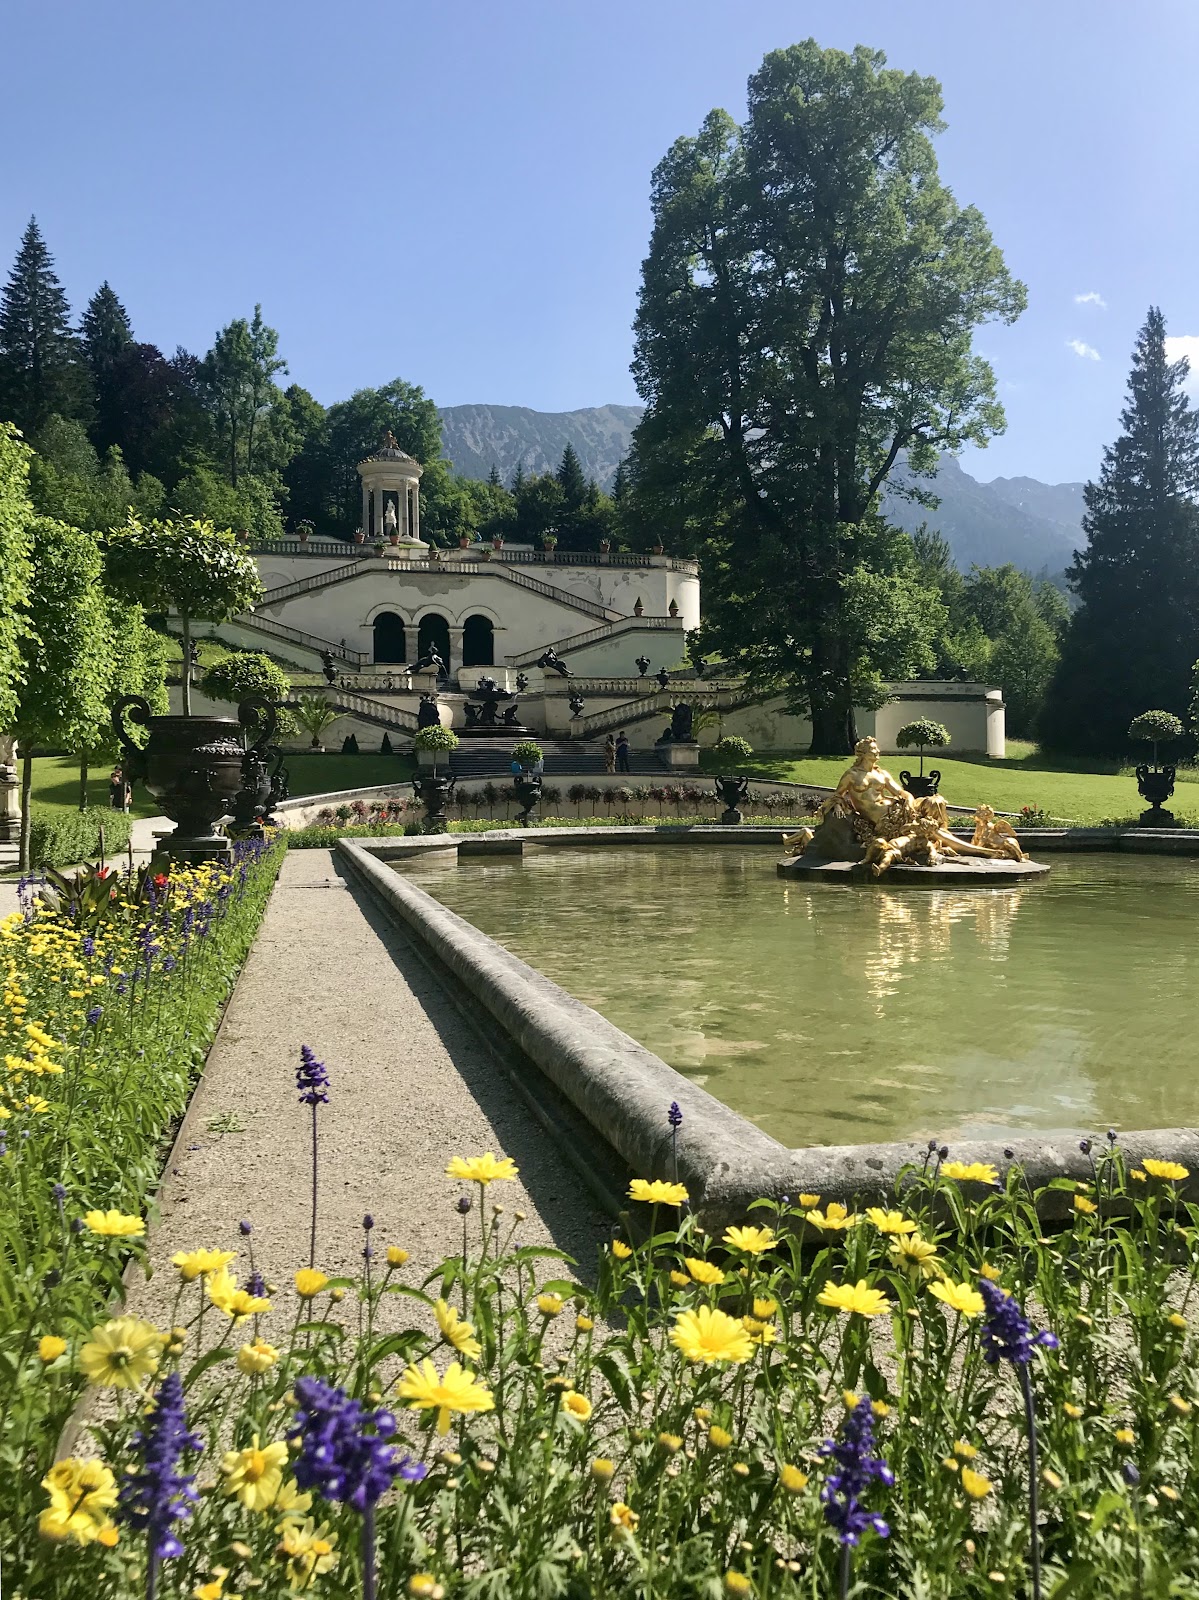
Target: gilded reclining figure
x=889 y=825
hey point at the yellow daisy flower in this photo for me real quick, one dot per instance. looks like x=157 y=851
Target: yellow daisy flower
x=254 y=1476
x=576 y=1405
x=481 y=1169
x=193 y=1264
x=960 y=1297
x=121 y=1354
x=457 y=1391
x=114 y=1224
x=1170 y=1171
x=710 y=1336
x=970 y=1171
x=890 y=1221
x=854 y=1299
x=657 y=1192
x=835 y=1218
x=456 y=1332
x=752 y=1240
x=703 y=1271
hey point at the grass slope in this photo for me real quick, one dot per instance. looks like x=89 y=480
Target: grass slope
x=1024 y=777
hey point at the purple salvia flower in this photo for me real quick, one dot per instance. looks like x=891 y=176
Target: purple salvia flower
x=857 y=1468
x=344 y=1450
x=1007 y=1334
x=675 y=1116
x=94 y=1015
x=159 y=1495
x=312 y=1080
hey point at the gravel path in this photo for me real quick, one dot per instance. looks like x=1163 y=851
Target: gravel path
x=412 y=1084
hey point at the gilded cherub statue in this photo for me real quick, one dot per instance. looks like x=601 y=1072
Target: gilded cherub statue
x=997 y=834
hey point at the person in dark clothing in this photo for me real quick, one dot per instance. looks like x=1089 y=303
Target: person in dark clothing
x=622 y=752
x=116 y=790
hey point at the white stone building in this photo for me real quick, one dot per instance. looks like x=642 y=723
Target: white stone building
x=370 y=610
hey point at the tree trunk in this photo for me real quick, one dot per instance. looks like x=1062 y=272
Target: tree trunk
x=187 y=666
x=83 y=782
x=834 y=730
x=26 y=790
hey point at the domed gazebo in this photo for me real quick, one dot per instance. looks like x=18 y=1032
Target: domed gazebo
x=391 y=495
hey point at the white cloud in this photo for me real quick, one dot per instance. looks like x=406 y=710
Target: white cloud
x=1185 y=344
x=1091 y=298
x=1087 y=351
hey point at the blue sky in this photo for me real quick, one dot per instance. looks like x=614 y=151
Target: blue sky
x=457 y=193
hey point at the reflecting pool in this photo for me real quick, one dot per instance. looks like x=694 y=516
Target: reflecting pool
x=833 y=1015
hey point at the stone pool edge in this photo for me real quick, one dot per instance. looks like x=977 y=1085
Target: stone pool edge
x=622 y=1090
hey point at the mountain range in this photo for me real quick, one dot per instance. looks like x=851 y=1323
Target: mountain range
x=1033 y=525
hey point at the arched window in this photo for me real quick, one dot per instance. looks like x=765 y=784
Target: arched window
x=389 y=637
x=434 y=632
x=478 y=642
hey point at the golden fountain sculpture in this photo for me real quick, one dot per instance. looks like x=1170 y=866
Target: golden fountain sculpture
x=873 y=819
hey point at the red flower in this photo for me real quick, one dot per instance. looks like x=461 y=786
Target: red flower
x=160 y=879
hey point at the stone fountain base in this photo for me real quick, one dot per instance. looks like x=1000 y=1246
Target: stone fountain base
x=953 y=872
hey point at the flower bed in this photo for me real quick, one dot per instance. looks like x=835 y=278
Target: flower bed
x=108 y=1008
x=931 y=1399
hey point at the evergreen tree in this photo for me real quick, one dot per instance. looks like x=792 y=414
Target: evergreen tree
x=106 y=335
x=1135 y=635
x=493 y=477
x=620 y=482
x=41 y=372
x=571 y=479
x=518 y=478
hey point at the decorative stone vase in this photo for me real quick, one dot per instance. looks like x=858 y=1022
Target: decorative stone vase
x=303 y=535
x=463 y=542
x=497 y=544
x=434 y=792
x=393 y=538
x=193 y=766
x=731 y=792
x=380 y=548
x=359 y=537
x=919 y=787
x=253 y=798
x=1156 y=784
x=528 y=792
x=638 y=611
x=659 y=549
x=605 y=546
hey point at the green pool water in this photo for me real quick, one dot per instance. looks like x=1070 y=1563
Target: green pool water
x=833 y=1015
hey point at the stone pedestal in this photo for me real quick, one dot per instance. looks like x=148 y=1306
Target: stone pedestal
x=10 y=792
x=679 y=753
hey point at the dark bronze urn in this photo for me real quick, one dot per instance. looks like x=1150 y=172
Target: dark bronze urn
x=1156 y=784
x=434 y=792
x=919 y=785
x=193 y=766
x=731 y=792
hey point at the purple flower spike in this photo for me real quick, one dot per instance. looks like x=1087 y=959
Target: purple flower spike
x=311 y=1078
x=159 y=1495
x=857 y=1468
x=1007 y=1333
x=675 y=1115
x=344 y=1453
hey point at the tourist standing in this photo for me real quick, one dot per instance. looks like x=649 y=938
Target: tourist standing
x=609 y=754
x=116 y=790
x=622 y=752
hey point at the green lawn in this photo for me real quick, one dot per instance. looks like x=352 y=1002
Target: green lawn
x=1025 y=777
x=56 y=778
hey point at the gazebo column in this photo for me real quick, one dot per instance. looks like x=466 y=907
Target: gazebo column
x=402 y=510
x=366 y=509
x=455 y=660
x=415 y=492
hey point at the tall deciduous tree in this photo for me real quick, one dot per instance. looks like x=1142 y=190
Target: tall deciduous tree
x=41 y=367
x=239 y=374
x=1135 y=635
x=186 y=566
x=806 y=314
x=63 y=698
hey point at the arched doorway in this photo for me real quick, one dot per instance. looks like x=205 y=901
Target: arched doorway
x=389 y=637
x=478 y=642
x=434 y=633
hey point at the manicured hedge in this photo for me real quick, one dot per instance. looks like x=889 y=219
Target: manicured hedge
x=62 y=838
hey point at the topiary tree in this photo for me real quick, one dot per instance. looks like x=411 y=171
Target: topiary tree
x=528 y=752
x=437 y=740
x=16 y=516
x=732 y=749
x=924 y=731
x=314 y=714
x=184 y=565
x=1155 y=727
x=65 y=667
x=251 y=672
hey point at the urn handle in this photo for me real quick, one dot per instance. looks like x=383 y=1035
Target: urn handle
x=257 y=714
x=137 y=707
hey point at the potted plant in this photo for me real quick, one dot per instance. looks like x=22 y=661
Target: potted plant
x=549 y=542
x=314 y=714
x=658 y=549
x=924 y=731
x=359 y=535
x=431 y=789
x=497 y=541
x=305 y=529
x=527 y=783
x=638 y=610
x=1156 y=784
x=192 y=765
x=605 y=545
x=464 y=541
